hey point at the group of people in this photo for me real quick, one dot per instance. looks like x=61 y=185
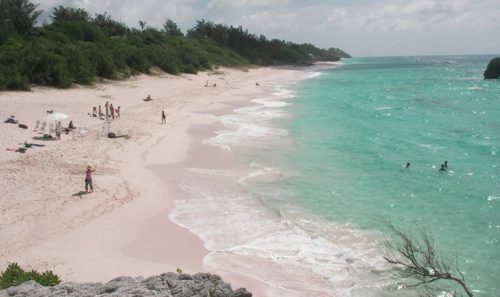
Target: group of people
x=59 y=129
x=444 y=166
x=111 y=111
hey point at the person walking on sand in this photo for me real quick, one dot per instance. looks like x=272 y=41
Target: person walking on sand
x=100 y=111
x=163 y=117
x=88 y=179
x=118 y=111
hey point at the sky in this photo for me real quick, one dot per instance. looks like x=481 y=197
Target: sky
x=359 y=27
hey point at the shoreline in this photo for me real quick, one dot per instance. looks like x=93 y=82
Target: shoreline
x=129 y=233
x=210 y=166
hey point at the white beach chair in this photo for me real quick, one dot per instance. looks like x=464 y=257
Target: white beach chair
x=37 y=126
x=52 y=128
x=42 y=129
x=129 y=132
x=105 y=129
x=82 y=132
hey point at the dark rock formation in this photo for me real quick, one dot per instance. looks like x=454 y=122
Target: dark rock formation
x=493 y=70
x=165 y=285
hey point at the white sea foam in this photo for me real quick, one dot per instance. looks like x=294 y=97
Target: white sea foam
x=252 y=124
x=310 y=75
x=491 y=198
x=268 y=103
x=293 y=253
x=207 y=171
x=282 y=92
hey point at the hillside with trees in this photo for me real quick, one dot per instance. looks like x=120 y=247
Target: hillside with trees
x=78 y=48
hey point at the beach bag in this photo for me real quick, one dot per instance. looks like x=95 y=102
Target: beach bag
x=23 y=126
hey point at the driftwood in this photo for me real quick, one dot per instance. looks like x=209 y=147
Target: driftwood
x=422 y=264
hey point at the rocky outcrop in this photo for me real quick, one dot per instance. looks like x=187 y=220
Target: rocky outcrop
x=493 y=70
x=164 y=285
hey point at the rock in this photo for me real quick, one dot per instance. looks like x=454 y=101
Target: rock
x=25 y=289
x=241 y=292
x=164 y=285
x=493 y=70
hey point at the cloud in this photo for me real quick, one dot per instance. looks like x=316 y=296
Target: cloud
x=389 y=25
x=154 y=12
x=414 y=16
x=266 y=22
x=225 y=4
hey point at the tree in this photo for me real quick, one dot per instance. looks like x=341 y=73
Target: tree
x=422 y=263
x=142 y=24
x=62 y=13
x=171 y=29
x=112 y=27
x=17 y=16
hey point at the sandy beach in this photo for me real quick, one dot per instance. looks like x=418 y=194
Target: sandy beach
x=123 y=227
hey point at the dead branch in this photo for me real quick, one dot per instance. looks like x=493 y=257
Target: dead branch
x=421 y=262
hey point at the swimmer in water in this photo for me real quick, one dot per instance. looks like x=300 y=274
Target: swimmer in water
x=407 y=164
x=446 y=164
x=442 y=168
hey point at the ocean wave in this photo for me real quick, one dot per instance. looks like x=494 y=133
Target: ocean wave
x=271 y=103
x=282 y=92
x=475 y=88
x=310 y=75
x=293 y=253
x=264 y=174
x=252 y=124
x=491 y=198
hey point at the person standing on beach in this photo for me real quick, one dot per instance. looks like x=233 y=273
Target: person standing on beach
x=118 y=111
x=112 y=110
x=59 y=129
x=163 y=117
x=106 y=106
x=100 y=111
x=88 y=179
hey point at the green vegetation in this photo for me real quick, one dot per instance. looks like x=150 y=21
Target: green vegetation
x=14 y=275
x=77 y=47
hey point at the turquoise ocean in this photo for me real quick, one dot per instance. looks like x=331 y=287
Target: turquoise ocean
x=358 y=124
x=326 y=173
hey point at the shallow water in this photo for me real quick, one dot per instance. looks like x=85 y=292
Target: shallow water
x=316 y=172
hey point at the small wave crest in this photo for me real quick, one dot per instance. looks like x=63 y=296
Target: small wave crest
x=253 y=124
x=492 y=198
x=310 y=75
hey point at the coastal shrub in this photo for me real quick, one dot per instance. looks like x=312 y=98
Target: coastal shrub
x=47 y=68
x=78 y=66
x=79 y=48
x=14 y=275
x=78 y=30
x=12 y=79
